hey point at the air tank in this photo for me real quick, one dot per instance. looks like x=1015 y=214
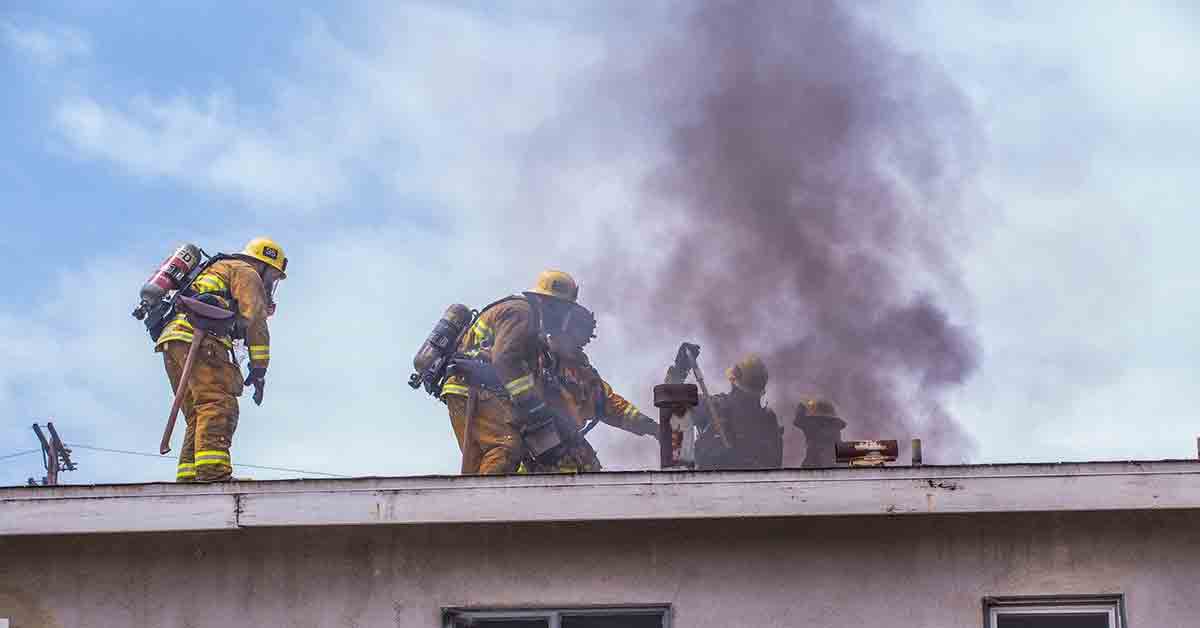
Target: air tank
x=441 y=340
x=168 y=277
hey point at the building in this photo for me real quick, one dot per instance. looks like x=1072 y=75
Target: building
x=1007 y=546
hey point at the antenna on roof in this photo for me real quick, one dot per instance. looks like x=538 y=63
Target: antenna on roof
x=55 y=455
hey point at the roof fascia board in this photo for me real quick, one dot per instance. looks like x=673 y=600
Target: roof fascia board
x=597 y=497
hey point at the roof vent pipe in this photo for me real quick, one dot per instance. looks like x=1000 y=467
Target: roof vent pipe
x=822 y=428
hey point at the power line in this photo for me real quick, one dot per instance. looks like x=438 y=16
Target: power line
x=19 y=453
x=240 y=464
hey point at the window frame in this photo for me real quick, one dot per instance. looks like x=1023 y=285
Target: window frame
x=552 y=614
x=1113 y=604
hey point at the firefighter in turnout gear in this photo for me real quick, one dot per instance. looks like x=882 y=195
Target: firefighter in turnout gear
x=755 y=439
x=521 y=383
x=587 y=398
x=245 y=284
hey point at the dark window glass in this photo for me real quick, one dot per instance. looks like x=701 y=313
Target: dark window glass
x=464 y=622
x=630 y=620
x=1085 y=620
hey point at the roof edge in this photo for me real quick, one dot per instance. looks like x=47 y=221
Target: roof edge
x=634 y=495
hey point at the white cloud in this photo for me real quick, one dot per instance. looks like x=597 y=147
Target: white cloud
x=403 y=109
x=203 y=145
x=46 y=46
x=1083 y=279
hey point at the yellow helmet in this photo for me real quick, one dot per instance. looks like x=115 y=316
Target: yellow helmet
x=557 y=284
x=749 y=374
x=267 y=251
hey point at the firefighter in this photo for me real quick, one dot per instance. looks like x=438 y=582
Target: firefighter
x=244 y=283
x=749 y=436
x=519 y=382
x=587 y=398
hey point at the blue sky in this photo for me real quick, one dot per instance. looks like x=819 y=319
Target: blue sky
x=381 y=142
x=106 y=51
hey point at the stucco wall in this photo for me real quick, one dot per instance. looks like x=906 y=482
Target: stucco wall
x=913 y=571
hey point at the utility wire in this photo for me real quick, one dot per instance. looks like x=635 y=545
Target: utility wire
x=240 y=464
x=19 y=453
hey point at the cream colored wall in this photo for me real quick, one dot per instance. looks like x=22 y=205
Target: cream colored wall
x=929 y=571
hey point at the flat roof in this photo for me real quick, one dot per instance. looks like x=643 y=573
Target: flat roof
x=608 y=496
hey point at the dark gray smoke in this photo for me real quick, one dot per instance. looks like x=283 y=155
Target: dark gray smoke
x=812 y=194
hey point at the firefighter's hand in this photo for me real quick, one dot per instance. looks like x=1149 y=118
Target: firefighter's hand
x=257 y=378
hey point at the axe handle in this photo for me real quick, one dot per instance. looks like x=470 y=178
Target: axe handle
x=164 y=447
x=718 y=423
x=470 y=458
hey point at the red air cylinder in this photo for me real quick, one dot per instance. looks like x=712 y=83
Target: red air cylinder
x=168 y=277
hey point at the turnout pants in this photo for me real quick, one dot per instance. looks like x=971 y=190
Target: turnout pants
x=495 y=445
x=580 y=458
x=210 y=409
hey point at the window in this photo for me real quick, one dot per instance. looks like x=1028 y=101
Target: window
x=1094 y=611
x=642 y=617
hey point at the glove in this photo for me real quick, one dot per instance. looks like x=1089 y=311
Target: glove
x=257 y=378
x=645 y=426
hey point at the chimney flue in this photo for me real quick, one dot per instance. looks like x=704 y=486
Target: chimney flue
x=675 y=435
x=822 y=428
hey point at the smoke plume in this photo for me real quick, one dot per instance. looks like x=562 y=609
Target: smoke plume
x=811 y=203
